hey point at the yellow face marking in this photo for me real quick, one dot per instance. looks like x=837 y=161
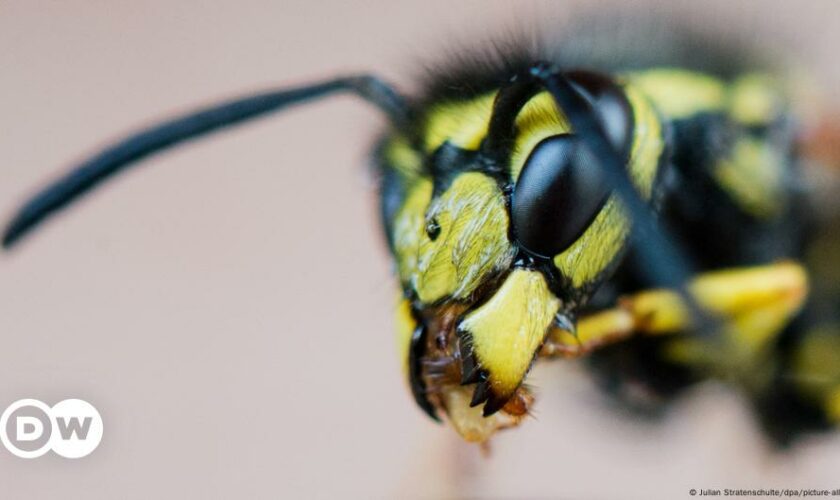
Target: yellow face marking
x=587 y=257
x=598 y=246
x=462 y=123
x=472 y=242
x=539 y=119
x=405 y=330
x=679 y=93
x=409 y=227
x=508 y=329
x=403 y=158
x=755 y=99
x=753 y=176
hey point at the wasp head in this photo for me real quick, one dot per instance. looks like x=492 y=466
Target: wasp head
x=502 y=226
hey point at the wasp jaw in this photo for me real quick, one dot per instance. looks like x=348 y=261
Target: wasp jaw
x=470 y=421
x=484 y=391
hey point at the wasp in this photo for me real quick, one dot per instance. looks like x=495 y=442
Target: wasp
x=650 y=215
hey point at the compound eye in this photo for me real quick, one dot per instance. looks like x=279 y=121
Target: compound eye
x=559 y=192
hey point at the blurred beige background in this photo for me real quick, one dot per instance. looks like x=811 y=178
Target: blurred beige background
x=227 y=306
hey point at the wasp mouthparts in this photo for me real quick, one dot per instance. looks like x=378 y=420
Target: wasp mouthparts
x=454 y=384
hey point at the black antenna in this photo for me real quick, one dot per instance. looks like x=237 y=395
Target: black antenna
x=116 y=158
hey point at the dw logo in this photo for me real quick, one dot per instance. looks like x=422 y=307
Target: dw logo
x=71 y=428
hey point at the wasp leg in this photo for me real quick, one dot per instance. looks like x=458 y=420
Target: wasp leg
x=755 y=303
x=592 y=332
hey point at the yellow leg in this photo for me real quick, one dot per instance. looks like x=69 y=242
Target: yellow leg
x=754 y=303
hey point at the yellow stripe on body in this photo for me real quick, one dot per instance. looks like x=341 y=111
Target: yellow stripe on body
x=755 y=99
x=753 y=175
x=751 y=99
x=679 y=93
x=753 y=172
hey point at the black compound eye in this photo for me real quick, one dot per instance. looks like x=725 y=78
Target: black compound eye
x=559 y=192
